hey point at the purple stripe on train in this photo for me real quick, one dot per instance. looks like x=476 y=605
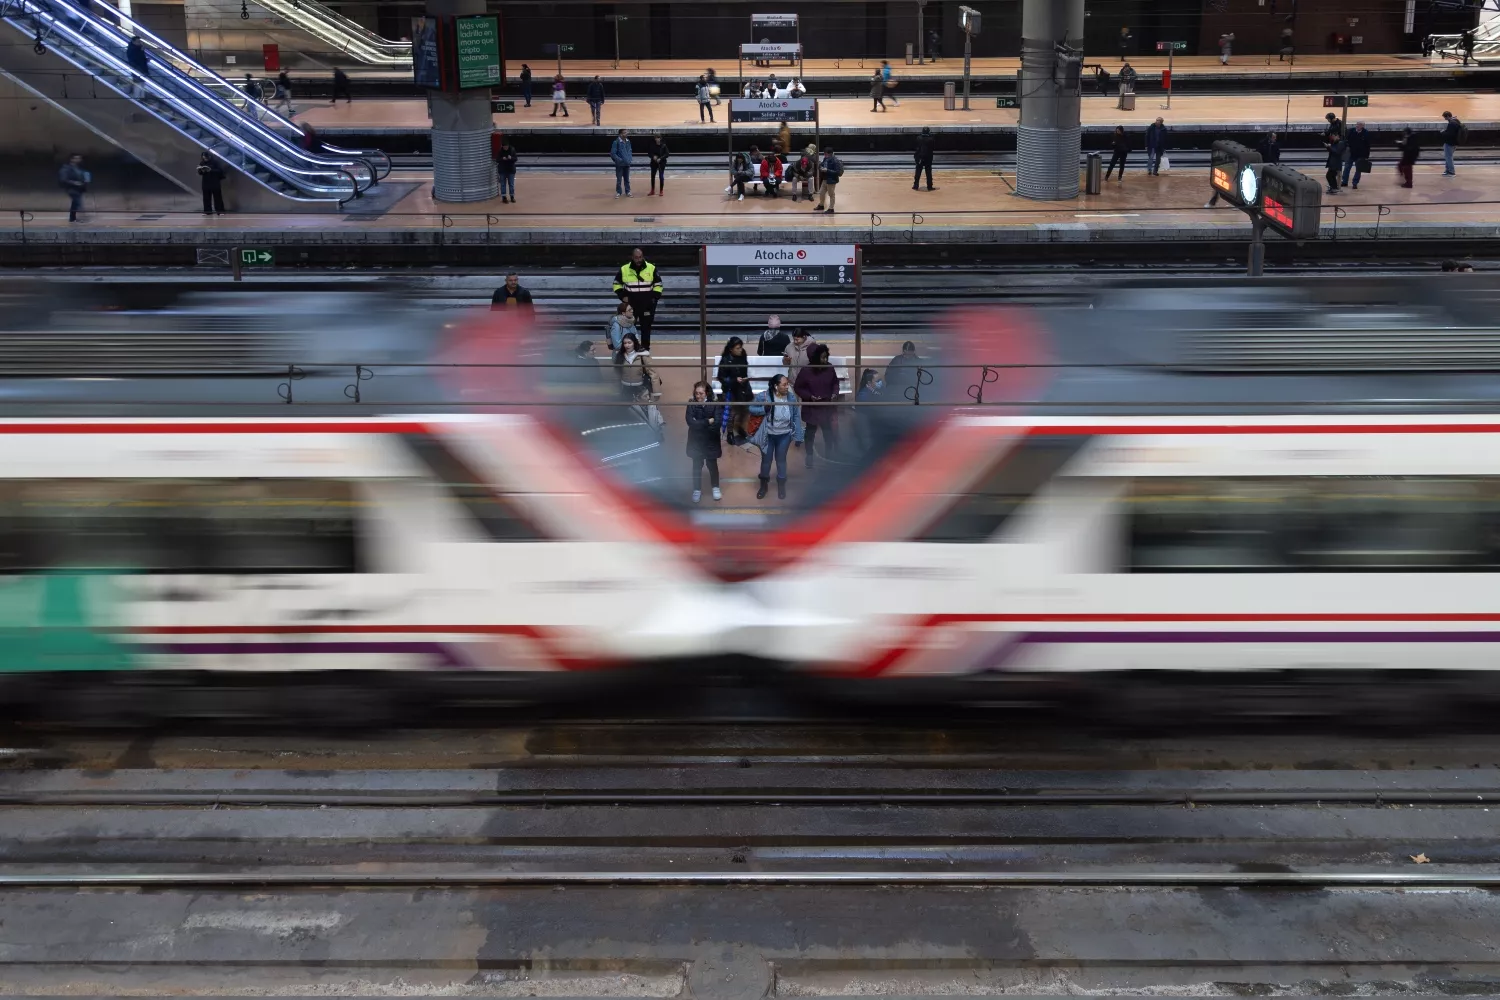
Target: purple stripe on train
x=443 y=654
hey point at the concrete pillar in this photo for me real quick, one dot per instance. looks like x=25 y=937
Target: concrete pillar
x=461 y=125
x=1049 y=137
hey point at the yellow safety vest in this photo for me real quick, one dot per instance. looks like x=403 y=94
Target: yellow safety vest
x=636 y=282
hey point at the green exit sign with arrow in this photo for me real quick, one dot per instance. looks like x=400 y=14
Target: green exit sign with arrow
x=257 y=257
x=1007 y=101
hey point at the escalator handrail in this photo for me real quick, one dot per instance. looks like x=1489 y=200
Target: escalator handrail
x=364 y=155
x=169 y=57
x=346 y=26
x=308 y=181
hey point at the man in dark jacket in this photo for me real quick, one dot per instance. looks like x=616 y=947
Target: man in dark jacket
x=341 y=86
x=212 y=176
x=1410 y=150
x=1359 y=155
x=773 y=339
x=1452 y=132
x=75 y=180
x=1269 y=149
x=1101 y=76
x=925 y=147
x=1156 y=145
x=1335 y=147
x=140 y=64
x=511 y=295
x=596 y=97
x=505 y=168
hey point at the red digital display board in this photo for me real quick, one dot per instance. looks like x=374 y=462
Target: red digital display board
x=1276 y=212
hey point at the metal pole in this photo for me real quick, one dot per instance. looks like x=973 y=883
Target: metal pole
x=1171 y=51
x=968 y=50
x=703 y=314
x=921 y=6
x=234 y=261
x=559 y=58
x=1257 y=249
x=817 y=127
x=617 y=41
x=859 y=318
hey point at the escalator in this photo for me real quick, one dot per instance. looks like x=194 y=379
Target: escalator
x=1486 y=42
x=72 y=54
x=340 y=33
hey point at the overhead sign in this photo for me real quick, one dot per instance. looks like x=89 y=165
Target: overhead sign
x=790 y=109
x=257 y=257
x=502 y=107
x=1171 y=46
x=774 y=20
x=1007 y=101
x=557 y=48
x=778 y=265
x=770 y=48
x=1341 y=101
x=478 y=45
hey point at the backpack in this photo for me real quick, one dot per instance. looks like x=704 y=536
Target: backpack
x=1463 y=132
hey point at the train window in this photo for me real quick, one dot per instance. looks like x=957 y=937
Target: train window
x=1394 y=524
x=242 y=526
x=1010 y=485
x=495 y=513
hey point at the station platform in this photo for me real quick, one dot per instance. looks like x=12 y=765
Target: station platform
x=577 y=215
x=403 y=125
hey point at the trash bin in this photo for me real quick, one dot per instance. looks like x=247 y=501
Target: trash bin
x=1093 y=177
x=950 y=96
x=911 y=55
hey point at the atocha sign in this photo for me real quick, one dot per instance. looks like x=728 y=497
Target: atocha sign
x=790 y=109
x=772 y=265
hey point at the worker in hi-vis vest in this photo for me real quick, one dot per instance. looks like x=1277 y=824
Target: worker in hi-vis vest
x=639 y=283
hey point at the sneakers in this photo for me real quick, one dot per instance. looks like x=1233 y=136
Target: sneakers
x=1208 y=204
x=697 y=495
x=718 y=494
x=740 y=198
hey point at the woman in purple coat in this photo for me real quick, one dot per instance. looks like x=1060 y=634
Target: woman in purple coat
x=819 y=383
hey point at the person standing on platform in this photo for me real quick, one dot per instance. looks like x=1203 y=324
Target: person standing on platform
x=1101 y=77
x=890 y=84
x=1334 y=129
x=734 y=381
x=1269 y=149
x=1358 y=155
x=877 y=92
x=1226 y=46
x=505 y=169
x=781 y=424
x=1466 y=42
x=1453 y=132
x=596 y=97
x=818 y=383
x=559 y=96
x=139 y=62
x=797 y=355
x=703 y=445
x=1124 y=42
x=773 y=340
x=75 y=180
x=621 y=155
x=341 y=86
x=1121 y=153
x=934 y=45
x=212 y=176
x=901 y=372
x=511 y=295
x=1410 y=150
x=639 y=283
x=526 y=84
x=1336 y=147
x=621 y=323
x=705 y=100
x=284 y=94
x=926 y=145
x=1156 y=146
x=833 y=172
x=633 y=367
x=1286 y=44
x=1128 y=76
x=658 y=152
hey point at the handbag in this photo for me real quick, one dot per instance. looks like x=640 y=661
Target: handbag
x=1363 y=165
x=753 y=424
x=1166 y=163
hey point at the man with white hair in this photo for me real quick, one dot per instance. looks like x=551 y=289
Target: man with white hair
x=773 y=342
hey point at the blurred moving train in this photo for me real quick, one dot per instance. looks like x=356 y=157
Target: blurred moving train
x=1282 y=486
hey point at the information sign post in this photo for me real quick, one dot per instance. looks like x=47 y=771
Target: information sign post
x=787 y=50
x=1171 y=49
x=748 y=110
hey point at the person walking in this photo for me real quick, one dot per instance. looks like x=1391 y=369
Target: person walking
x=341 y=86
x=781 y=424
x=621 y=155
x=705 y=100
x=773 y=340
x=511 y=295
x=712 y=79
x=703 y=445
x=595 y=97
x=798 y=354
x=1101 y=77
x=833 y=172
x=633 y=367
x=559 y=96
x=1226 y=46
x=1156 y=146
x=934 y=45
x=212 y=178
x=139 y=61
x=926 y=144
x=505 y=169
x=1123 y=42
x=621 y=323
x=1121 y=152
x=284 y=94
x=1466 y=42
x=75 y=180
x=1411 y=149
x=734 y=381
x=639 y=283
x=1334 y=146
x=1358 y=155
x=1286 y=45
x=526 y=85
x=889 y=82
x=1453 y=132
x=254 y=98
x=818 y=383
x=877 y=92
x=657 y=153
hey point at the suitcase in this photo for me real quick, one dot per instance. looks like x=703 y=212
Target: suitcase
x=1127 y=101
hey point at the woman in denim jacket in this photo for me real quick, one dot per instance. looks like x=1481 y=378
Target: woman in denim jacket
x=781 y=424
